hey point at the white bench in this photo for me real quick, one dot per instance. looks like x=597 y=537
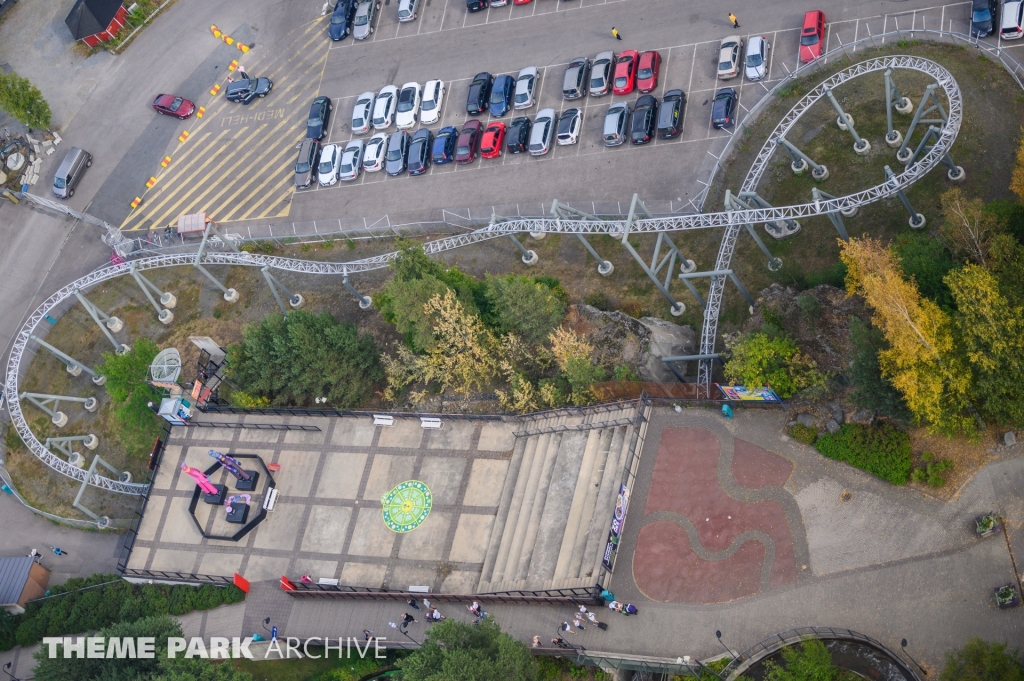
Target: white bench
x=430 y=423
x=327 y=582
x=383 y=420
x=419 y=589
x=270 y=500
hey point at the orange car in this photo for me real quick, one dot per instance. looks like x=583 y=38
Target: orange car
x=490 y=143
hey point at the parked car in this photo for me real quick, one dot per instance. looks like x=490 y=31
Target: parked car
x=247 y=89
x=172 y=105
x=616 y=124
x=479 y=93
x=983 y=17
x=444 y=145
x=576 y=79
x=645 y=118
x=376 y=149
x=569 y=125
x=1013 y=20
x=812 y=36
x=351 y=161
x=757 y=58
x=433 y=97
x=384 y=107
x=625 y=73
x=362 y=113
x=670 y=114
x=501 y=95
x=729 y=53
x=70 y=172
x=499 y=3
x=398 y=153
x=526 y=83
x=305 y=165
x=517 y=138
x=490 y=143
x=419 y=151
x=469 y=141
x=319 y=114
x=341 y=19
x=521 y=2
x=601 y=74
x=327 y=171
x=408 y=109
x=406 y=10
x=647 y=72
x=723 y=108
x=476 y=5
x=362 y=25
x=543 y=131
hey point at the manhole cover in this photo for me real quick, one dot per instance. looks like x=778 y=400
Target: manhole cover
x=406 y=506
x=846 y=496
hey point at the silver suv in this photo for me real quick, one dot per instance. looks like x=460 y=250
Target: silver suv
x=616 y=124
x=362 y=25
x=542 y=132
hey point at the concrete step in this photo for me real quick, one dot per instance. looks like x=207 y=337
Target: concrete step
x=593 y=489
x=527 y=494
x=519 y=452
x=597 y=535
x=577 y=512
x=496 y=571
x=536 y=496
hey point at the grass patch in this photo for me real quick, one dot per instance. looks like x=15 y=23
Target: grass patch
x=882 y=450
x=802 y=433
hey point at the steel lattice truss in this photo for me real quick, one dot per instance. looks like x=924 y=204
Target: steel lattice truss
x=730 y=221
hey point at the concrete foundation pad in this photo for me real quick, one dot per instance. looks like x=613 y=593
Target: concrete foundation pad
x=363 y=574
x=262 y=568
x=253 y=435
x=404 y=576
x=278 y=531
x=371 y=537
x=406 y=433
x=387 y=471
x=222 y=564
x=470 y=543
x=341 y=475
x=326 y=529
x=169 y=463
x=179 y=528
x=140 y=554
x=353 y=432
x=426 y=542
x=496 y=437
x=328 y=569
x=443 y=476
x=458 y=582
x=307 y=437
x=456 y=435
x=296 y=475
x=485 y=482
x=174 y=561
x=151 y=519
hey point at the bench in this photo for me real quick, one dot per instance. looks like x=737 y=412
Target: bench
x=327 y=582
x=419 y=589
x=383 y=420
x=270 y=500
x=430 y=423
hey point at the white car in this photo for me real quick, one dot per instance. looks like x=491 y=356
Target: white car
x=729 y=57
x=362 y=112
x=408 y=110
x=327 y=171
x=384 y=108
x=499 y=3
x=542 y=132
x=526 y=83
x=351 y=161
x=757 y=58
x=376 y=148
x=569 y=125
x=406 y=10
x=430 y=106
x=1013 y=21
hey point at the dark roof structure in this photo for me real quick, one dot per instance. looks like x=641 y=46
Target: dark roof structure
x=13 y=575
x=89 y=17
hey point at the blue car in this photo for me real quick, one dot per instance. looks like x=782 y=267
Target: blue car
x=444 y=145
x=501 y=95
x=341 y=19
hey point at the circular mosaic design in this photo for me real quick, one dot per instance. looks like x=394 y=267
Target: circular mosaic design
x=407 y=506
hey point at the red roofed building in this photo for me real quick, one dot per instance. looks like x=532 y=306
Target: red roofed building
x=96 y=21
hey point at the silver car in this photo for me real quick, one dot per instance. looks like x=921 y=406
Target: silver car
x=542 y=132
x=601 y=74
x=362 y=112
x=384 y=107
x=757 y=58
x=351 y=161
x=362 y=25
x=616 y=124
x=526 y=84
x=327 y=172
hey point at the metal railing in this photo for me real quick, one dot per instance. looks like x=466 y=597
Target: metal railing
x=167 y=576
x=128 y=543
x=579 y=595
x=299 y=411
x=254 y=426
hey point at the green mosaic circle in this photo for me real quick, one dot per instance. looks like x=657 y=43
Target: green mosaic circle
x=407 y=506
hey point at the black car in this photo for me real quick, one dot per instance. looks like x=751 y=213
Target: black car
x=341 y=19
x=479 y=94
x=397 y=158
x=476 y=5
x=723 y=108
x=983 y=17
x=444 y=145
x=670 y=115
x=645 y=119
x=247 y=89
x=306 y=164
x=419 y=151
x=319 y=113
x=517 y=138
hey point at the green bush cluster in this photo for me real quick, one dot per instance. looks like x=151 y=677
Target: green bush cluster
x=882 y=450
x=23 y=100
x=980 y=660
x=137 y=427
x=265 y=247
x=927 y=260
x=932 y=471
x=871 y=390
x=84 y=609
x=802 y=433
x=760 y=359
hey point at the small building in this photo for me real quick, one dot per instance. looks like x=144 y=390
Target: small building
x=96 y=21
x=21 y=580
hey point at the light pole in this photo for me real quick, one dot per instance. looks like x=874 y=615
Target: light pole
x=903 y=645
x=6 y=668
x=718 y=635
x=579 y=650
x=404 y=633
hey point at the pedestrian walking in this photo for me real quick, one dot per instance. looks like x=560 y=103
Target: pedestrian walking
x=567 y=628
x=615 y=32
x=368 y=635
x=593 y=618
x=578 y=623
x=33 y=553
x=583 y=610
x=475 y=608
x=408 y=619
x=629 y=609
x=615 y=605
x=560 y=642
x=536 y=641
x=58 y=551
x=413 y=603
x=732 y=18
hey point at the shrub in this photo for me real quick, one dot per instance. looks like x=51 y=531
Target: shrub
x=871 y=390
x=924 y=258
x=808 y=661
x=8 y=625
x=23 y=100
x=599 y=300
x=240 y=398
x=137 y=427
x=802 y=433
x=833 y=276
x=624 y=372
x=881 y=450
x=759 y=360
x=980 y=660
x=522 y=306
x=265 y=247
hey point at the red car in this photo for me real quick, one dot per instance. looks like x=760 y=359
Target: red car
x=490 y=143
x=468 y=142
x=521 y=2
x=812 y=37
x=172 y=105
x=647 y=74
x=625 y=73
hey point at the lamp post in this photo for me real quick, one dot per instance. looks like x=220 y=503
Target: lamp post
x=6 y=668
x=903 y=645
x=718 y=635
x=579 y=650
x=404 y=633
x=266 y=624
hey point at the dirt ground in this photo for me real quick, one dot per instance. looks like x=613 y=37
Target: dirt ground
x=967 y=458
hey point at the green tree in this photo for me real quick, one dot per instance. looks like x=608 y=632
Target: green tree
x=404 y=309
x=292 y=360
x=137 y=425
x=8 y=625
x=968 y=228
x=457 y=651
x=809 y=661
x=523 y=306
x=759 y=360
x=979 y=660
x=23 y=100
x=872 y=390
x=926 y=259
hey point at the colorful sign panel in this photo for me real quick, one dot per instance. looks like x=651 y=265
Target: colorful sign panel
x=740 y=393
x=618 y=520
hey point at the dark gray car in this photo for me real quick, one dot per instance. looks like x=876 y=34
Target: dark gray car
x=397 y=159
x=577 y=77
x=306 y=164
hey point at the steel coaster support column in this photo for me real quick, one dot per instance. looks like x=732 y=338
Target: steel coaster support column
x=845 y=122
x=294 y=299
x=778 y=230
x=124 y=476
x=801 y=161
x=721 y=273
x=529 y=257
x=230 y=294
x=917 y=220
x=63 y=445
x=655 y=267
x=670 y=362
x=902 y=105
x=104 y=321
x=74 y=367
x=604 y=267
x=837 y=220
x=929 y=103
x=365 y=302
x=59 y=418
x=955 y=172
x=148 y=287
x=732 y=204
